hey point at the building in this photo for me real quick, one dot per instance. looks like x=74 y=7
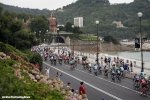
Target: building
x=53 y=24
x=78 y=21
x=118 y=24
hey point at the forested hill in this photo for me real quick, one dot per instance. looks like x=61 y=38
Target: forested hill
x=19 y=10
x=101 y=10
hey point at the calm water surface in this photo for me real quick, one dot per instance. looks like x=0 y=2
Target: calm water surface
x=135 y=56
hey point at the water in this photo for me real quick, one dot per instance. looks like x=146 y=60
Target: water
x=134 y=56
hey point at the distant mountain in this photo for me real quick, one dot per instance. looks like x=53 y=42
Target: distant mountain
x=118 y=20
x=19 y=10
x=92 y=10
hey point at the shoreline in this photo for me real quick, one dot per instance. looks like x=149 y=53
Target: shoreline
x=108 y=54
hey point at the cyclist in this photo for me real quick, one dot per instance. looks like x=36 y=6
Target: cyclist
x=106 y=68
x=144 y=87
x=90 y=67
x=60 y=60
x=149 y=85
x=113 y=70
x=136 y=81
x=95 y=68
x=122 y=71
x=118 y=74
x=45 y=56
x=72 y=64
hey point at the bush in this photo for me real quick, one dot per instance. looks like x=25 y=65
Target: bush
x=6 y=48
x=109 y=39
x=3 y=48
x=36 y=58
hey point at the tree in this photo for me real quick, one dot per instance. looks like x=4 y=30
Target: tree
x=15 y=26
x=36 y=59
x=1 y=10
x=24 y=39
x=68 y=27
x=109 y=39
x=39 y=25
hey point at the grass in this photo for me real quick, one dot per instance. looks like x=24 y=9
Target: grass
x=87 y=37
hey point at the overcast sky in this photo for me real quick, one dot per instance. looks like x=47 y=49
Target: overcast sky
x=49 y=4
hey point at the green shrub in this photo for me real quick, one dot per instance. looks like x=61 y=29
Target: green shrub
x=109 y=39
x=6 y=48
x=36 y=58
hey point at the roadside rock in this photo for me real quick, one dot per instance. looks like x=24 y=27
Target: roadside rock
x=32 y=77
x=37 y=77
x=34 y=72
x=43 y=80
x=2 y=54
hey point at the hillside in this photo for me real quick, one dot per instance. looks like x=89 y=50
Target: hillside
x=19 y=77
x=101 y=10
x=15 y=9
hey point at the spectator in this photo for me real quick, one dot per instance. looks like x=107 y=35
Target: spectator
x=95 y=68
x=58 y=75
x=73 y=95
x=131 y=66
x=68 y=88
x=47 y=72
x=127 y=66
x=82 y=91
x=134 y=63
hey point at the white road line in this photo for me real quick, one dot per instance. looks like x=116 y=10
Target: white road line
x=110 y=82
x=98 y=89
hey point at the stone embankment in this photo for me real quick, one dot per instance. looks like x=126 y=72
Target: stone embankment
x=35 y=75
x=103 y=47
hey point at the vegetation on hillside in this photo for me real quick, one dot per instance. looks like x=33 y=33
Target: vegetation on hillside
x=10 y=85
x=92 y=10
x=13 y=31
x=15 y=80
x=26 y=11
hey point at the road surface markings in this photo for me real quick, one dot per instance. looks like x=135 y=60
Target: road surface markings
x=108 y=81
x=98 y=89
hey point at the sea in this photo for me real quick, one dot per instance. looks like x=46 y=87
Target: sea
x=133 y=56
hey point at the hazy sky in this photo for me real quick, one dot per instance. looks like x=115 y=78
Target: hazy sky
x=49 y=4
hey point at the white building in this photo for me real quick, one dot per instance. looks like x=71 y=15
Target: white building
x=78 y=21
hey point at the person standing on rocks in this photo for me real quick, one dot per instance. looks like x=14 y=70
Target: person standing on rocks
x=48 y=72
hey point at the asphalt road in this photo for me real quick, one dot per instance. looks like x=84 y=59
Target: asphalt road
x=97 y=87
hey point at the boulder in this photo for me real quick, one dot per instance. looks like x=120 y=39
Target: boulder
x=49 y=82
x=41 y=76
x=63 y=91
x=2 y=54
x=8 y=57
x=1 y=57
x=35 y=80
x=37 y=77
x=34 y=72
x=43 y=80
x=61 y=85
x=32 y=77
x=57 y=87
